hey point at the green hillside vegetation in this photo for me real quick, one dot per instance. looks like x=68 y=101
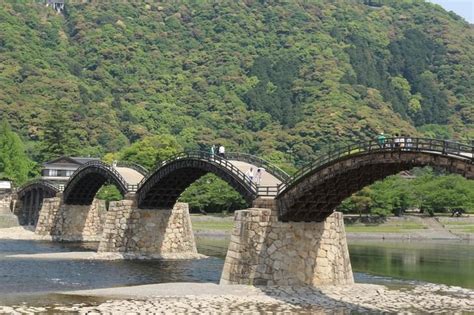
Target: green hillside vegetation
x=281 y=81
x=15 y=165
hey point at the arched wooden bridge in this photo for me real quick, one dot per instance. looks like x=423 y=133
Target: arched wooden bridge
x=163 y=186
x=309 y=195
x=30 y=199
x=319 y=187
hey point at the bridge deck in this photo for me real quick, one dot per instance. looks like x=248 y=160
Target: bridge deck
x=267 y=178
x=131 y=176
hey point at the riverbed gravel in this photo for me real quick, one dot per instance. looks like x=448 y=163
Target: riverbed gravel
x=358 y=298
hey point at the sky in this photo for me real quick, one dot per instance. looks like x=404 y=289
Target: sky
x=464 y=8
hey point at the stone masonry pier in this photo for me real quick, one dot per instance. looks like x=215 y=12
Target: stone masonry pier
x=123 y=229
x=71 y=222
x=148 y=233
x=264 y=251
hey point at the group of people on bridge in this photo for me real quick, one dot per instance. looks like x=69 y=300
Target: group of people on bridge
x=220 y=150
x=399 y=141
x=255 y=177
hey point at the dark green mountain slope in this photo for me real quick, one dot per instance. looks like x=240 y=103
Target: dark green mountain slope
x=265 y=77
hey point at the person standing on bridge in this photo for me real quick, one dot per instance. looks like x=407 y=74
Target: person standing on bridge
x=397 y=141
x=222 y=151
x=249 y=174
x=381 y=140
x=258 y=176
x=213 y=151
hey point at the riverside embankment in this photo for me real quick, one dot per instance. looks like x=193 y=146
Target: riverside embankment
x=397 y=228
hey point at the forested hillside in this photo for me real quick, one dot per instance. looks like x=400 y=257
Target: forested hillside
x=282 y=80
x=259 y=76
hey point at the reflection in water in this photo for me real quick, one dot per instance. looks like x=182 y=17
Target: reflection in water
x=450 y=263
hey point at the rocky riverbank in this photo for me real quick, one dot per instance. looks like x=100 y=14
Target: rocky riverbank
x=172 y=298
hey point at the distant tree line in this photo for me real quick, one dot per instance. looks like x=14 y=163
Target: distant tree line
x=429 y=192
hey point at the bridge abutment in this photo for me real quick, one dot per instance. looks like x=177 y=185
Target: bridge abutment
x=264 y=251
x=71 y=222
x=148 y=233
x=7 y=216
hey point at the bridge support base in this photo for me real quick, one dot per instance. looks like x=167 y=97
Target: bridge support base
x=264 y=251
x=7 y=217
x=148 y=233
x=71 y=222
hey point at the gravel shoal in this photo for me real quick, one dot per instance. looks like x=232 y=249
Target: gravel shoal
x=198 y=298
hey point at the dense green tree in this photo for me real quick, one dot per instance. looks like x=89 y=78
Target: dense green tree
x=212 y=194
x=58 y=139
x=109 y=193
x=14 y=162
x=273 y=92
x=148 y=151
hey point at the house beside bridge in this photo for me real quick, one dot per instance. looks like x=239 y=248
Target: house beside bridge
x=58 y=171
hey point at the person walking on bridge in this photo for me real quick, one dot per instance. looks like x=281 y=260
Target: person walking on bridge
x=222 y=151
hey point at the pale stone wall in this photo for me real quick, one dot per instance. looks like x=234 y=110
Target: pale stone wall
x=48 y=216
x=263 y=251
x=7 y=217
x=5 y=200
x=148 y=233
x=71 y=222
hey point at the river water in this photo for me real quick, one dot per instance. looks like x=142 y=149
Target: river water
x=390 y=263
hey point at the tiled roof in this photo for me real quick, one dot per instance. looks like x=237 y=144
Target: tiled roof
x=84 y=160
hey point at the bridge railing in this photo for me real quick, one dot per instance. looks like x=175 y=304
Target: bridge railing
x=267 y=191
x=132 y=188
x=259 y=162
x=399 y=144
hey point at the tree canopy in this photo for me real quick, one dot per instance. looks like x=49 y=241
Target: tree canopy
x=15 y=164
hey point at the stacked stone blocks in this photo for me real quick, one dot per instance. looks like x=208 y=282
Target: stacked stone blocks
x=148 y=233
x=71 y=222
x=263 y=251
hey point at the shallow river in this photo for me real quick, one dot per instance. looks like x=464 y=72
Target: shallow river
x=390 y=263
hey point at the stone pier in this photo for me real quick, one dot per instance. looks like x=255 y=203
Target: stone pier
x=71 y=222
x=263 y=251
x=148 y=233
x=7 y=217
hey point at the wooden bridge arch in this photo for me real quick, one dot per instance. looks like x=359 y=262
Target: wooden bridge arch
x=30 y=199
x=317 y=189
x=86 y=181
x=163 y=186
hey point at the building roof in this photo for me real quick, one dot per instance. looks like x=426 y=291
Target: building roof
x=67 y=160
x=84 y=160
